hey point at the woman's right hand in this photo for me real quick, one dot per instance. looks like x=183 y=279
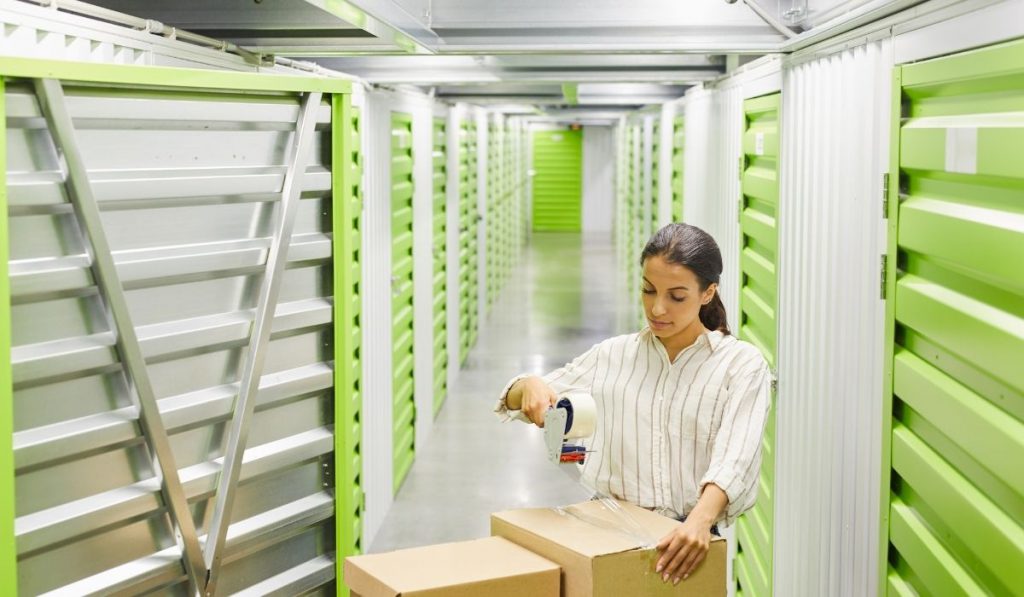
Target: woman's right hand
x=535 y=398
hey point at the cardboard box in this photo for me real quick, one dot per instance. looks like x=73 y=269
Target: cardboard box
x=598 y=560
x=491 y=566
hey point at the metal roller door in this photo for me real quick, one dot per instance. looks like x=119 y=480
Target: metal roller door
x=757 y=323
x=468 y=278
x=440 y=286
x=655 y=173
x=955 y=312
x=678 y=145
x=404 y=413
x=493 y=217
x=170 y=331
x=557 y=185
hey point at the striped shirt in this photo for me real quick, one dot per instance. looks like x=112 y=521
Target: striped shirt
x=666 y=429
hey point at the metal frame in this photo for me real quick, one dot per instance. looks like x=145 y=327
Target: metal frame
x=270 y=288
x=167 y=77
x=51 y=99
x=8 y=549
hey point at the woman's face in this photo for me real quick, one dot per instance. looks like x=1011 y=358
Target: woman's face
x=672 y=297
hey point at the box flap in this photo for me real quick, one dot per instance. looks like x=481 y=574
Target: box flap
x=590 y=528
x=421 y=569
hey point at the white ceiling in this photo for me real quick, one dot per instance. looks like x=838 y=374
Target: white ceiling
x=500 y=51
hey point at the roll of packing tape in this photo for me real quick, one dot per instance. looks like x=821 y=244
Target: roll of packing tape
x=583 y=417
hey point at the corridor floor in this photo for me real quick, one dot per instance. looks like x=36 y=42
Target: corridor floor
x=566 y=295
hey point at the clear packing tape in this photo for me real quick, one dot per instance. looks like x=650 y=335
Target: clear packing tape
x=576 y=414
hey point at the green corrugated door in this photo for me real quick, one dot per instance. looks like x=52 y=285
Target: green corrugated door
x=955 y=310
x=440 y=159
x=636 y=212
x=655 y=173
x=401 y=300
x=468 y=279
x=348 y=368
x=757 y=325
x=493 y=218
x=557 y=184
x=678 y=146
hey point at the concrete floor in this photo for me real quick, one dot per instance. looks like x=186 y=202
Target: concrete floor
x=566 y=295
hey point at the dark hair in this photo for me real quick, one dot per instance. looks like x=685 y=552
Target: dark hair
x=691 y=247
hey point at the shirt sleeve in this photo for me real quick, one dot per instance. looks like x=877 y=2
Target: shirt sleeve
x=577 y=376
x=736 y=457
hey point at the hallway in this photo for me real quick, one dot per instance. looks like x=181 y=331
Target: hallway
x=565 y=296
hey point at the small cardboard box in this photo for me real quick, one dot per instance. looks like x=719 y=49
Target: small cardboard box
x=491 y=566
x=598 y=560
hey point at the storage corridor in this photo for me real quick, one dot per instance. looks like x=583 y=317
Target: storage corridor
x=559 y=301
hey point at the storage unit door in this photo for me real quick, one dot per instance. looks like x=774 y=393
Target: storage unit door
x=655 y=173
x=493 y=217
x=440 y=287
x=348 y=333
x=956 y=327
x=467 y=239
x=143 y=291
x=557 y=184
x=404 y=413
x=757 y=325
x=678 y=146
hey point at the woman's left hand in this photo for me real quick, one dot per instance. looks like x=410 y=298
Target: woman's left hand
x=683 y=550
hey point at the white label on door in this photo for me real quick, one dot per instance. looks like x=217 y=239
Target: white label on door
x=962 y=150
x=758 y=143
x=557 y=137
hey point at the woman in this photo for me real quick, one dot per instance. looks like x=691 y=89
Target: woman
x=681 y=404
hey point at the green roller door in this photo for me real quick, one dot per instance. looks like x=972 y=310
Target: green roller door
x=404 y=407
x=468 y=278
x=635 y=213
x=493 y=218
x=348 y=367
x=955 y=328
x=629 y=212
x=655 y=173
x=678 y=145
x=440 y=169
x=757 y=325
x=557 y=184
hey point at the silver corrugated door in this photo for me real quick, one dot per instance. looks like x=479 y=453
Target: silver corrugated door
x=155 y=236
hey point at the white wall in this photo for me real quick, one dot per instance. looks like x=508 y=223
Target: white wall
x=835 y=125
x=598 y=179
x=378 y=458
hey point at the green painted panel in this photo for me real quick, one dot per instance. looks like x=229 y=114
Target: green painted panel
x=678 y=148
x=440 y=240
x=346 y=240
x=558 y=182
x=655 y=173
x=165 y=76
x=757 y=320
x=8 y=551
x=404 y=412
x=469 y=274
x=955 y=319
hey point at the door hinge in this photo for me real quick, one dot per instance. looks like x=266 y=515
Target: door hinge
x=742 y=166
x=775 y=381
x=885 y=196
x=884 y=270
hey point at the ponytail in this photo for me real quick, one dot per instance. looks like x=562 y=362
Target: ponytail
x=712 y=315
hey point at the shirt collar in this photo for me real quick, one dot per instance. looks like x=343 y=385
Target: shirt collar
x=711 y=339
